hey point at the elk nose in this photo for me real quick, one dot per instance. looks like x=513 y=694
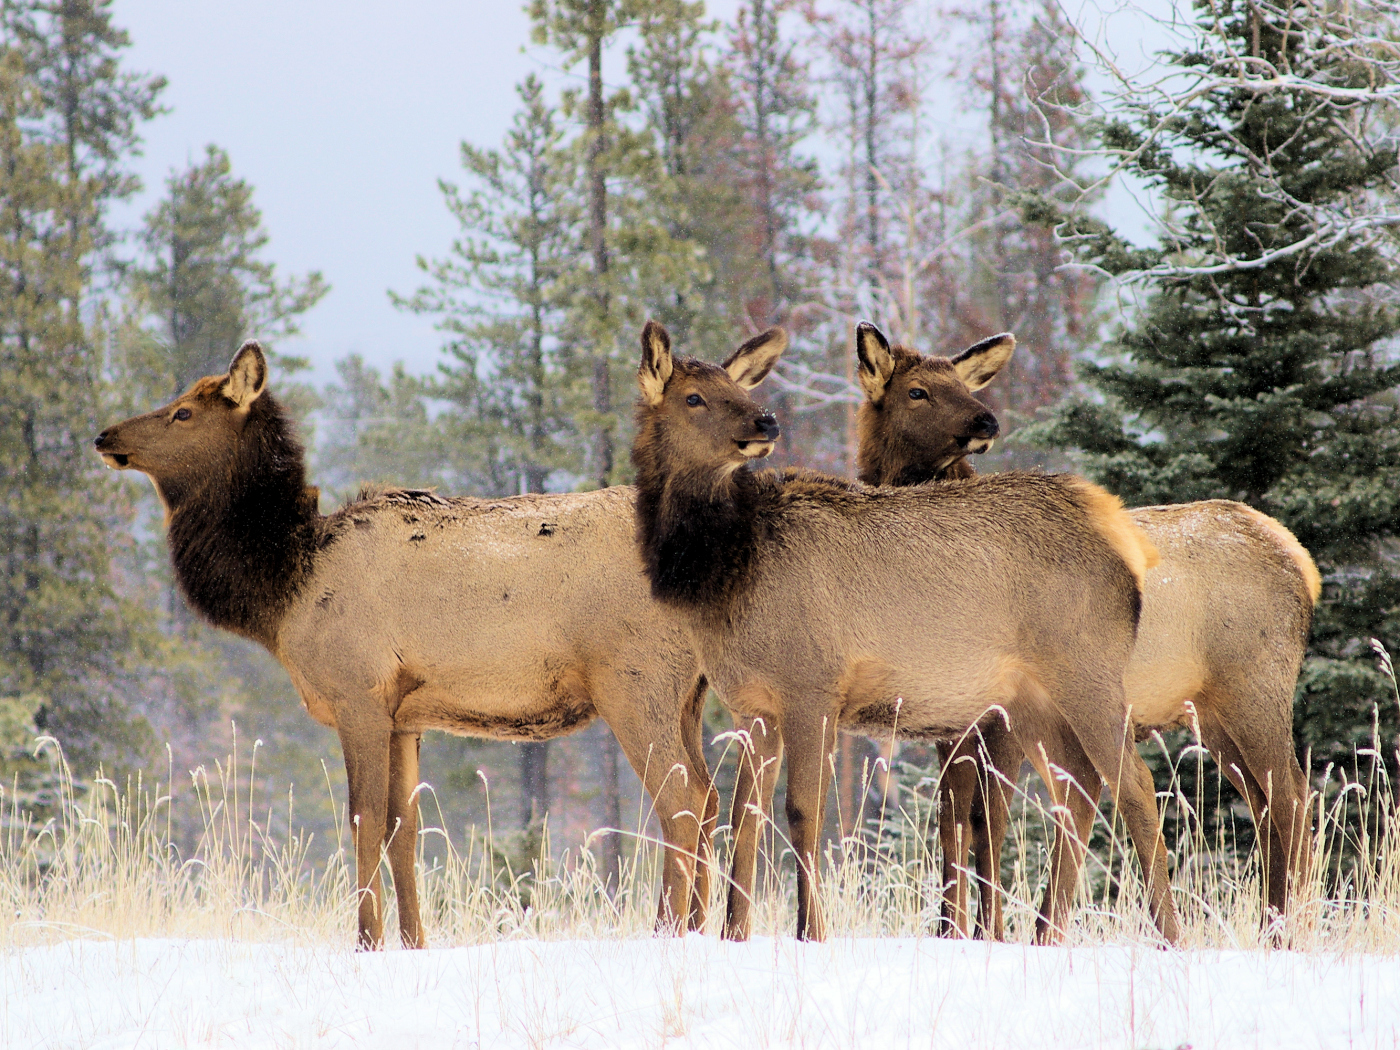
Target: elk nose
x=985 y=426
x=768 y=423
x=97 y=441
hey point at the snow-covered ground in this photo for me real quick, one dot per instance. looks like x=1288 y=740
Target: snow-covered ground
x=692 y=992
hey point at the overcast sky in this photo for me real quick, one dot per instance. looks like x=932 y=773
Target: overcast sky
x=342 y=115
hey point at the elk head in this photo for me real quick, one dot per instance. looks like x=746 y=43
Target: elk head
x=697 y=419
x=197 y=435
x=919 y=417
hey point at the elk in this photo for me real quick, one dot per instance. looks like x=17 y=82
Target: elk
x=516 y=619
x=1225 y=620
x=817 y=604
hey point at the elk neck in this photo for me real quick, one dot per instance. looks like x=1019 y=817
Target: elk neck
x=699 y=535
x=881 y=461
x=243 y=539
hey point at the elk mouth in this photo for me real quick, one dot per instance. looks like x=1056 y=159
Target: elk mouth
x=115 y=460
x=975 y=445
x=755 y=448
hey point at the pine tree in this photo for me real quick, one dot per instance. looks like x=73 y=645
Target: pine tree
x=775 y=110
x=205 y=285
x=1261 y=366
x=70 y=644
x=198 y=290
x=513 y=398
x=1002 y=274
x=700 y=194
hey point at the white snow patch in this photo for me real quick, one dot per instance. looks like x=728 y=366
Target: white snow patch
x=693 y=992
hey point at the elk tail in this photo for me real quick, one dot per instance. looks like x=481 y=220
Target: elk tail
x=1106 y=512
x=1307 y=568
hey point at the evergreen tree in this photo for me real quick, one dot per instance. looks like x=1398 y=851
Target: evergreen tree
x=70 y=644
x=497 y=298
x=205 y=286
x=199 y=290
x=775 y=110
x=998 y=272
x=688 y=106
x=513 y=398
x=1261 y=367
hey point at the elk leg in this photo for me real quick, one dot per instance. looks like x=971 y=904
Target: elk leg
x=1276 y=790
x=402 y=830
x=811 y=749
x=705 y=864
x=1119 y=764
x=705 y=854
x=1001 y=757
x=1058 y=756
x=366 y=751
x=750 y=811
x=680 y=797
x=957 y=786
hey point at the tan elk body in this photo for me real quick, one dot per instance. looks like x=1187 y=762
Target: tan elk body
x=518 y=619
x=816 y=603
x=1225 y=618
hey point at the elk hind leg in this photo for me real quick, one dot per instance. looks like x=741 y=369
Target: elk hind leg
x=957 y=789
x=691 y=732
x=1101 y=724
x=1257 y=757
x=1074 y=786
x=659 y=758
x=401 y=828
x=1001 y=756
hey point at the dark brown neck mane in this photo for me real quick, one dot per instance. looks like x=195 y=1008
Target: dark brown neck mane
x=698 y=536
x=901 y=471
x=242 y=540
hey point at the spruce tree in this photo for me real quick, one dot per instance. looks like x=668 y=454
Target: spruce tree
x=1261 y=366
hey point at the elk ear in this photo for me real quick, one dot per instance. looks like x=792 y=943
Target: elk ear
x=751 y=363
x=656 y=365
x=979 y=363
x=875 y=362
x=247 y=375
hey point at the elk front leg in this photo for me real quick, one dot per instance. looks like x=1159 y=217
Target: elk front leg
x=693 y=741
x=366 y=748
x=811 y=749
x=402 y=829
x=957 y=784
x=757 y=778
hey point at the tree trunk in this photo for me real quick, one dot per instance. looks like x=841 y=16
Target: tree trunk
x=534 y=781
x=602 y=387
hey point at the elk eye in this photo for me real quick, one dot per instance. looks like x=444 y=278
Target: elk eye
x=918 y=393
x=694 y=399
x=182 y=413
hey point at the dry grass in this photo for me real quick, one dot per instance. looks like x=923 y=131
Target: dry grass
x=107 y=866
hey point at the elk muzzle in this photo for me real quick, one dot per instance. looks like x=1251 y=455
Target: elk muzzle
x=104 y=444
x=758 y=447
x=980 y=433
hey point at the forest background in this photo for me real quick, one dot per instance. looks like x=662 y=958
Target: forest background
x=933 y=169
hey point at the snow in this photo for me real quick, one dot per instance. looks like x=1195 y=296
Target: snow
x=691 y=992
